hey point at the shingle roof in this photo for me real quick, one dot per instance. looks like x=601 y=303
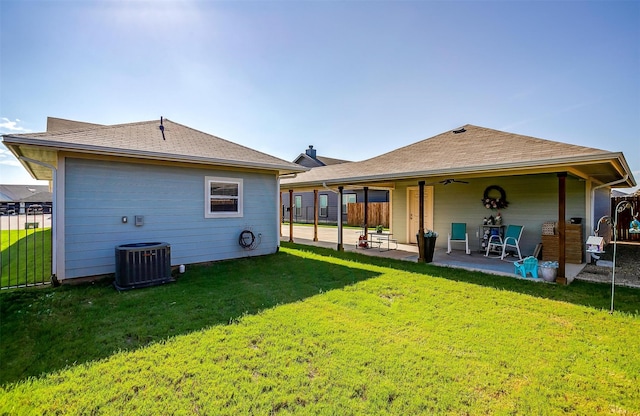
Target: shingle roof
x=311 y=162
x=24 y=193
x=473 y=150
x=145 y=140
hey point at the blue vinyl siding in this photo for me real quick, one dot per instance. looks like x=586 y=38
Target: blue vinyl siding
x=171 y=199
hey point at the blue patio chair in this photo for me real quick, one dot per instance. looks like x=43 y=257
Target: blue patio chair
x=528 y=266
x=511 y=239
x=458 y=234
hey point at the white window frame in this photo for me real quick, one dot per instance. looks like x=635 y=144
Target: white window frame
x=323 y=211
x=298 y=207
x=208 y=197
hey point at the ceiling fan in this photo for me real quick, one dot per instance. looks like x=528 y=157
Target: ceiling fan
x=451 y=180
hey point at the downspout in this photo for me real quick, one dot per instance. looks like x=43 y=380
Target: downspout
x=593 y=194
x=324 y=185
x=54 y=218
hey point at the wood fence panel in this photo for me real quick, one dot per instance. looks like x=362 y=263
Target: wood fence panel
x=378 y=214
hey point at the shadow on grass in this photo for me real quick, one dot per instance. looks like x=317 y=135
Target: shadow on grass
x=594 y=295
x=44 y=330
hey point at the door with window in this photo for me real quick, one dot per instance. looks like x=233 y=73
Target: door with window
x=413 y=194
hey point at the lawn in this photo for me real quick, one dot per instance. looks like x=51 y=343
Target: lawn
x=314 y=331
x=25 y=256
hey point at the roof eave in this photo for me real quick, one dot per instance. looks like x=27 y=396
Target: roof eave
x=16 y=141
x=551 y=165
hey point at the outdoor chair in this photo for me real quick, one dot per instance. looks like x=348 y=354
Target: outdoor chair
x=458 y=234
x=528 y=266
x=511 y=239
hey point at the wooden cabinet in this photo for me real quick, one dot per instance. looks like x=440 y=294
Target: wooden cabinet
x=573 y=245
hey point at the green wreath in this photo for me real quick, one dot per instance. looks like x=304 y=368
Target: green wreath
x=490 y=202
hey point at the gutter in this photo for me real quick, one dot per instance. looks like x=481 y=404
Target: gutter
x=143 y=154
x=54 y=217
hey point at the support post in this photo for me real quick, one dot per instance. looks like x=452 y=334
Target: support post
x=421 y=247
x=315 y=215
x=291 y=215
x=562 y=212
x=281 y=214
x=340 y=246
x=366 y=210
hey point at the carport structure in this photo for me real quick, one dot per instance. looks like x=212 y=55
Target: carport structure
x=445 y=179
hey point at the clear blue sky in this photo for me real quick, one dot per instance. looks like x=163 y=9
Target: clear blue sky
x=355 y=79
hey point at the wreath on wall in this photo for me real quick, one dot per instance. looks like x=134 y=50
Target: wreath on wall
x=490 y=200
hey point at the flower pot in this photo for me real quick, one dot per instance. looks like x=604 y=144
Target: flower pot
x=429 y=244
x=548 y=274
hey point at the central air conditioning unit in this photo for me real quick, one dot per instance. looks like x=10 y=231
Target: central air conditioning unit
x=142 y=264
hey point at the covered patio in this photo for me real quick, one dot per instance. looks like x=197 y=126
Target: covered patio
x=327 y=237
x=466 y=175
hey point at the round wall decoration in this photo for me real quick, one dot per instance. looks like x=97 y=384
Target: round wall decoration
x=491 y=200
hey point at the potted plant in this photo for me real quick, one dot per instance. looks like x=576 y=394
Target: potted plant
x=427 y=242
x=379 y=229
x=548 y=271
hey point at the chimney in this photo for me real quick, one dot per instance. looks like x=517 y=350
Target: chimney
x=311 y=152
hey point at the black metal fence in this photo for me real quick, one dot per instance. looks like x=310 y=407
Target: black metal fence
x=26 y=248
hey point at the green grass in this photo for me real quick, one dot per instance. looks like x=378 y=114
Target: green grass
x=314 y=331
x=25 y=256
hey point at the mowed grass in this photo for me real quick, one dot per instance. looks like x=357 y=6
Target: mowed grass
x=25 y=256
x=313 y=331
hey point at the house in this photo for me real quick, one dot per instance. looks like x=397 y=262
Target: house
x=303 y=201
x=457 y=171
x=195 y=191
x=17 y=199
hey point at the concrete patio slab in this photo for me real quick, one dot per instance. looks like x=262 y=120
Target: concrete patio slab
x=476 y=261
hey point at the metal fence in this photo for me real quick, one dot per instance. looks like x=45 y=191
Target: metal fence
x=25 y=244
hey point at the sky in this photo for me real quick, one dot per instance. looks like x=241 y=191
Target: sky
x=355 y=79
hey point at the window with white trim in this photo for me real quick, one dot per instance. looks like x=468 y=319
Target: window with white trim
x=324 y=205
x=298 y=204
x=222 y=197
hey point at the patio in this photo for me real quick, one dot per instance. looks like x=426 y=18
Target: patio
x=328 y=238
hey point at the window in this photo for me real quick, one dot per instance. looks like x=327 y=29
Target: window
x=298 y=204
x=324 y=205
x=347 y=199
x=223 y=197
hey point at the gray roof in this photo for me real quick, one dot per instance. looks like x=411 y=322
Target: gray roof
x=472 y=152
x=25 y=193
x=142 y=140
x=311 y=162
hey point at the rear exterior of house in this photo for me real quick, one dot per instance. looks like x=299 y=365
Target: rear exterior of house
x=543 y=180
x=155 y=181
x=100 y=195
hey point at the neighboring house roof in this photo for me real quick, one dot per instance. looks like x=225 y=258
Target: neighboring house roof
x=311 y=162
x=473 y=151
x=615 y=193
x=310 y=159
x=143 y=140
x=25 y=193
x=59 y=124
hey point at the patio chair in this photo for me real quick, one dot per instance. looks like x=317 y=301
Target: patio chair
x=528 y=266
x=511 y=239
x=458 y=234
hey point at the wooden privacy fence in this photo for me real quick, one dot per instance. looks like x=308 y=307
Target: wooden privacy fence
x=625 y=218
x=378 y=214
